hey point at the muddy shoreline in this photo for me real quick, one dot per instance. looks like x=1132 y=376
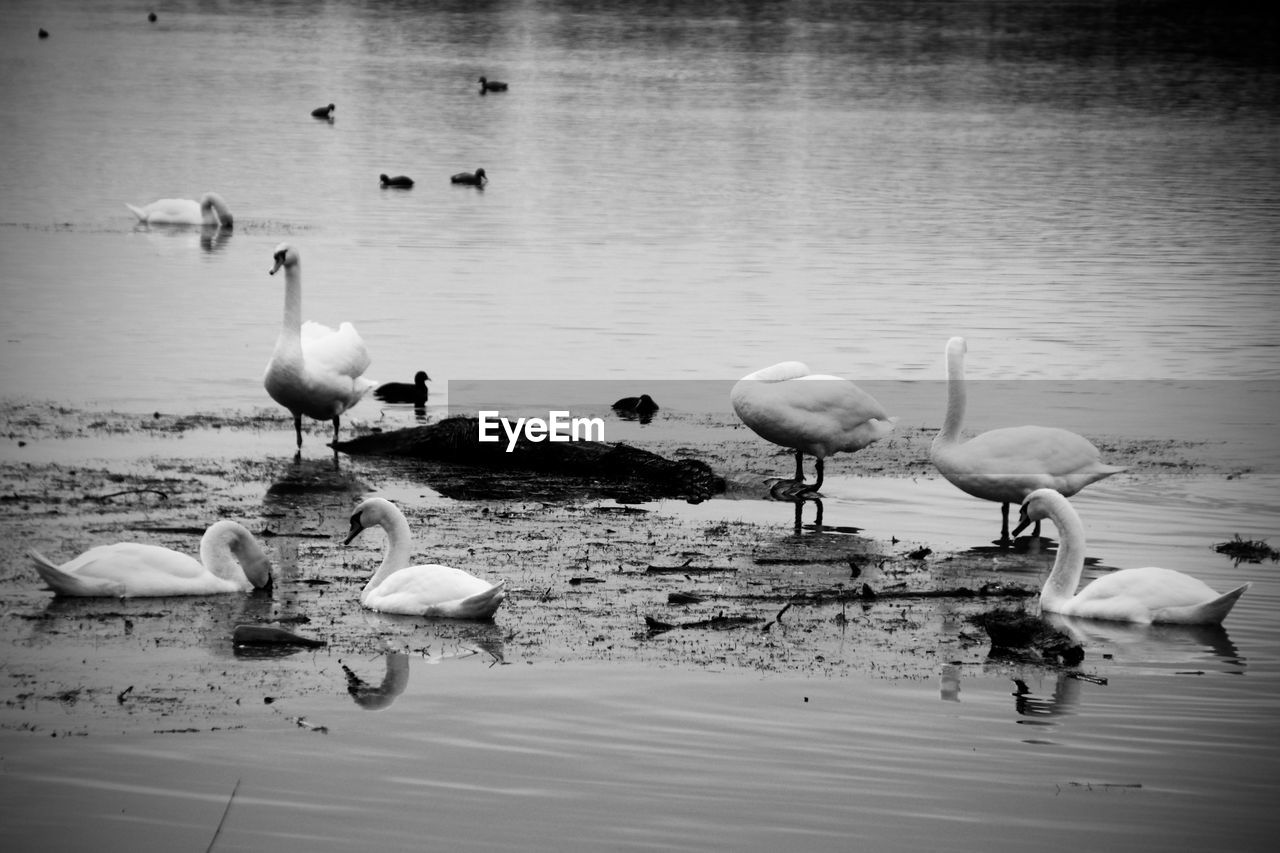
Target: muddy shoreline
x=589 y=578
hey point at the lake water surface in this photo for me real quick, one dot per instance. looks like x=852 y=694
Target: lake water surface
x=678 y=191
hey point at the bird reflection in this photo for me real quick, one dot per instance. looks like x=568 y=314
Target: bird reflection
x=1161 y=646
x=394 y=681
x=1065 y=696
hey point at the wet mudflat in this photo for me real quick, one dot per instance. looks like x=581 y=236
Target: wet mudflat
x=591 y=579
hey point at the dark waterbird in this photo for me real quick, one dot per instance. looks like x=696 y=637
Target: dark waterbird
x=401 y=181
x=324 y=112
x=631 y=408
x=474 y=179
x=487 y=85
x=404 y=392
x=44 y=34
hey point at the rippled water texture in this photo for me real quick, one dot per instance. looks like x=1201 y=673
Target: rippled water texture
x=683 y=190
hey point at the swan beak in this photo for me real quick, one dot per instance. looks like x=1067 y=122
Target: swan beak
x=1024 y=520
x=279 y=263
x=356 y=527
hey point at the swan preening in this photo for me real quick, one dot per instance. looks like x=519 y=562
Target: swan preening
x=476 y=179
x=231 y=560
x=211 y=210
x=423 y=590
x=405 y=392
x=811 y=413
x=315 y=370
x=1129 y=595
x=1005 y=465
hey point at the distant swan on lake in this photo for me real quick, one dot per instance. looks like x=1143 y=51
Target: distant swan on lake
x=810 y=413
x=422 y=590
x=210 y=210
x=231 y=560
x=314 y=370
x=1005 y=465
x=1129 y=595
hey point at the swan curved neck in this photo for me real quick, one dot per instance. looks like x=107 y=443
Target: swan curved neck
x=396 y=554
x=956 y=397
x=292 y=323
x=218 y=551
x=1068 y=566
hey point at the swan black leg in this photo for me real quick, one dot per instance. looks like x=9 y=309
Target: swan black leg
x=335 y=430
x=297 y=428
x=1004 y=525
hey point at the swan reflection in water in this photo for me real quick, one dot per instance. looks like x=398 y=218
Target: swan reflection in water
x=396 y=676
x=394 y=681
x=1155 y=648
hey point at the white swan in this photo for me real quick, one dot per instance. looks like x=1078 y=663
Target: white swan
x=1007 y=464
x=231 y=560
x=314 y=371
x=210 y=210
x=1129 y=595
x=810 y=413
x=424 y=590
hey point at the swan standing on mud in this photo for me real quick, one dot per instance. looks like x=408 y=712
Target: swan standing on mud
x=423 y=590
x=1129 y=595
x=1005 y=465
x=314 y=371
x=231 y=560
x=810 y=413
x=211 y=210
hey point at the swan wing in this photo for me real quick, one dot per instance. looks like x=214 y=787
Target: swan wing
x=130 y=569
x=174 y=211
x=341 y=352
x=431 y=590
x=1147 y=595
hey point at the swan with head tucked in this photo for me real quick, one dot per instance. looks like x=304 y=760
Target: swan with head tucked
x=1129 y=595
x=423 y=590
x=211 y=210
x=1005 y=465
x=231 y=560
x=315 y=370
x=810 y=413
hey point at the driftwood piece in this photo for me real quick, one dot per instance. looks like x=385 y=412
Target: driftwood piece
x=573 y=467
x=715 y=623
x=269 y=635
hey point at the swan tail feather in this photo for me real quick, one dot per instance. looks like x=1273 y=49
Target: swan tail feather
x=66 y=583
x=1211 y=612
x=1216 y=611
x=482 y=605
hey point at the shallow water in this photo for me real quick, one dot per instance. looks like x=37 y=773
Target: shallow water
x=682 y=191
